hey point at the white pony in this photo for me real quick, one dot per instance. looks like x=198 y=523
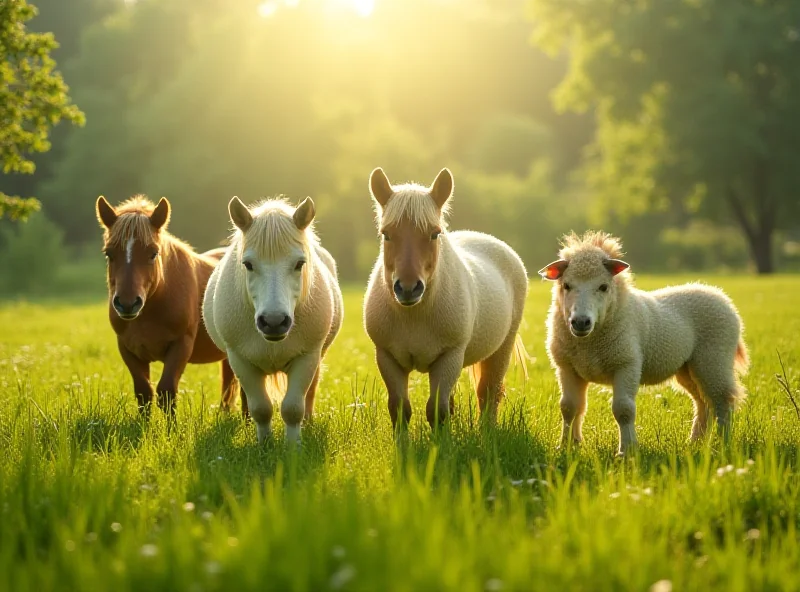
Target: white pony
x=602 y=329
x=440 y=301
x=274 y=305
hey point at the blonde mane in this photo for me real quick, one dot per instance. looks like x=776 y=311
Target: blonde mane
x=412 y=202
x=273 y=234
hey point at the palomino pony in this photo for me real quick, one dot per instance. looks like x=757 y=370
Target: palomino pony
x=440 y=301
x=274 y=305
x=602 y=329
x=155 y=288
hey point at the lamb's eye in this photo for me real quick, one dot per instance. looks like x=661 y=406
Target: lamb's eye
x=604 y=287
x=385 y=237
x=435 y=235
x=247 y=265
x=299 y=265
x=567 y=287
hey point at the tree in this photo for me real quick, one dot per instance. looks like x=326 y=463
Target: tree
x=697 y=104
x=33 y=98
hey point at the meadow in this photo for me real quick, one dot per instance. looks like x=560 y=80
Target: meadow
x=91 y=498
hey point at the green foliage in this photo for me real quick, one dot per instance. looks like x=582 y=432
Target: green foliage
x=32 y=254
x=33 y=97
x=92 y=499
x=698 y=104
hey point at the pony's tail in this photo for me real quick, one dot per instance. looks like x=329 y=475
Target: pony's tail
x=741 y=362
x=276 y=385
x=520 y=356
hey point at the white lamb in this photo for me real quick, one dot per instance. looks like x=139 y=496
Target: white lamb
x=602 y=329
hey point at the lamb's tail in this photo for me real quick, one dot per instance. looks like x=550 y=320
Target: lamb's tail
x=741 y=363
x=520 y=356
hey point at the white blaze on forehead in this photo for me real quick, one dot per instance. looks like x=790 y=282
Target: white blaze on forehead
x=129 y=250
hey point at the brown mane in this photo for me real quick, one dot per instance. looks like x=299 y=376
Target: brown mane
x=133 y=222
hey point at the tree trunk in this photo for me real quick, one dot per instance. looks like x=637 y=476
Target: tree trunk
x=761 y=249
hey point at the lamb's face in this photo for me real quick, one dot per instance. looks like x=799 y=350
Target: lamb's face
x=585 y=289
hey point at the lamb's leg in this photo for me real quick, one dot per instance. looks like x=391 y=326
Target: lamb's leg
x=395 y=377
x=443 y=376
x=623 y=405
x=301 y=373
x=719 y=385
x=258 y=402
x=573 y=404
x=684 y=378
x=311 y=394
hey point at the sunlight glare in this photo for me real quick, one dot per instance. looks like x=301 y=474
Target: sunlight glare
x=267 y=9
x=363 y=8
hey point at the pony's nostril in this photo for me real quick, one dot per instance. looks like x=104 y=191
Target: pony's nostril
x=398 y=288
x=138 y=303
x=419 y=288
x=581 y=323
x=261 y=322
x=117 y=304
x=273 y=323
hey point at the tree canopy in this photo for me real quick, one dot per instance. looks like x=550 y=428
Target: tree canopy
x=697 y=105
x=33 y=98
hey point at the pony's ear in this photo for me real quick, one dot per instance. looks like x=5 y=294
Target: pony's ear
x=379 y=186
x=554 y=271
x=105 y=212
x=442 y=188
x=304 y=214
x=615 y=266
x=239 y=213
x=160 y=216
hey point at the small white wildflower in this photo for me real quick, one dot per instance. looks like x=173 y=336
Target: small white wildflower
x=188 y=507
x=206 y=515
x=342 y=577
x=614 y=495
x=493 y=585
x=69 y=546
x=213 y=567
x=751 y=462
x=116 y=527
x=233 y=542
x=741 y=471
x=148 y=550
x=661 y=586
x=753 y=534
x=91 y=537
x=516 y=482
x=339 y=552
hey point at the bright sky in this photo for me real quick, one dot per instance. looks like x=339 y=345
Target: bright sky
x=362 y=8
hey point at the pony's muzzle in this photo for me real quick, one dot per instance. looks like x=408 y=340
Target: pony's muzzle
x=274 y=326
x=580 y=326
x=409 y=296
x=127 y=311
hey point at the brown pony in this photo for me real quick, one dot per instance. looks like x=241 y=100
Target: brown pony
x=155 y=291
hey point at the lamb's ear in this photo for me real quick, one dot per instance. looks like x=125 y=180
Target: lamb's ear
x=554 y=271
x=615 y=266
x=105 y=212
x=442 y=188
x=160 y=216
x=240 y=215
x=379 y=187
x=304 y=214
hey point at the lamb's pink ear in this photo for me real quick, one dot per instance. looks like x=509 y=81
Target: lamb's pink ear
x=442 y=188
x=304 y=214
x=105 y=212
x=615 y=266
x=554 y=271
x=160 y=216
x=380 y=187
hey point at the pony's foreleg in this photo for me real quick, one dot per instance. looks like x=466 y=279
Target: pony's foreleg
x=175 y=362
x=395 y=377
x=623 y=405
x=573 y=404
x=140 y=373
x=300 y=373
x=443 y=376
x=251 y=379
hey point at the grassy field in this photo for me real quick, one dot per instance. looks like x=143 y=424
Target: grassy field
x=91 y=499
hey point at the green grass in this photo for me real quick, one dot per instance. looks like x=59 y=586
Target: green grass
x=91 y=499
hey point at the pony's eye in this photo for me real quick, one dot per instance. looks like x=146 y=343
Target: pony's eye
x=567 y=287
x=604 y=287
x=153 y=256
x=247 y=265
x=108 y=255
x=435 y=235
x=299 y=265
x=385 y=236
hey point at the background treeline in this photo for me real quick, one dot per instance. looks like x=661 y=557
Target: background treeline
x=199 y=100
